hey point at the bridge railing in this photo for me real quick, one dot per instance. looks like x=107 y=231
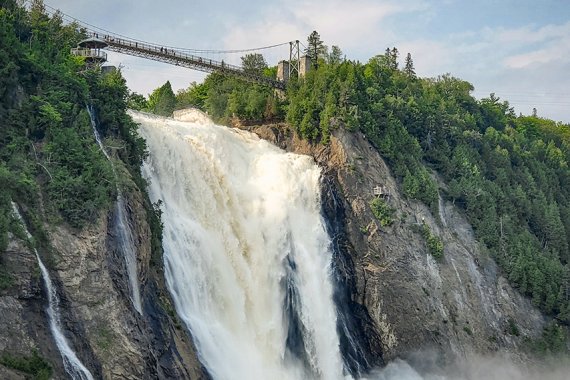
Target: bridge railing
x=181 y=58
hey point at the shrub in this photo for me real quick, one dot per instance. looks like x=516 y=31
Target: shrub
x=34 y=365
x=434 y=243
x=382 y=211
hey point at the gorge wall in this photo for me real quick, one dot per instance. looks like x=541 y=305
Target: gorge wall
x=108 y=335
x=402 y=296
x=392 y=296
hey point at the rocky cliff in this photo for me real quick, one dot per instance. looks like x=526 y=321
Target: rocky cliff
x=109 y=336
x=402 y=298
x=396 y=298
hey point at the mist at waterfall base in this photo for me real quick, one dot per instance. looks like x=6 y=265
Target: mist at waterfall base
x=247 y=258
x=71 y=363
x=424 y=365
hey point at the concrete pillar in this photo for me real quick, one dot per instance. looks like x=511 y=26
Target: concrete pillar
x=304 y=65
x=283 y=71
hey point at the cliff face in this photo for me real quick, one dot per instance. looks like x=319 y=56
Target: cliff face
x=109 y=336
x=23 y=326
x=403 y=299
x=396 y=297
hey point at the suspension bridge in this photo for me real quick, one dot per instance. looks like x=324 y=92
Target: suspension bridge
x=93 y=50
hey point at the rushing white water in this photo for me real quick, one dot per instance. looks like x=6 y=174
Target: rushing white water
x=242 y=225
x=124 y=233
x=71 y=362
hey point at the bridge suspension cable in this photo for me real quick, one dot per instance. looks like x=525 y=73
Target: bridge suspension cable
x=161 y=53
x=96 y=30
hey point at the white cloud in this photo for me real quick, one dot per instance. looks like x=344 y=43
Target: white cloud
x=531 y=34
x=349 y=24
x=527 y=65
x=555 y=50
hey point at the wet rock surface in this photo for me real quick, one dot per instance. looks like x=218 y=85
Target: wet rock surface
x=393 y=297
x=404 y=299
x=108 y=335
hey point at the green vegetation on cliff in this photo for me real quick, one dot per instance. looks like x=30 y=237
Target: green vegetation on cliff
x=48 y=157
x=50 y=163
x=510 y=174
x=35 y=366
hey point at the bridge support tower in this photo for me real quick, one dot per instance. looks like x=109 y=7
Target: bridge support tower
x=294 y=59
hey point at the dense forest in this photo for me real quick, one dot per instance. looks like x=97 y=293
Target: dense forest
x=49 y=162
x=508 y=173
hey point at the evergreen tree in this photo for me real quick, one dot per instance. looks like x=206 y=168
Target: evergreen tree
x=409 y=66
x=391 y=58
x=394 y=53
x=315 y=48
x=335 y=55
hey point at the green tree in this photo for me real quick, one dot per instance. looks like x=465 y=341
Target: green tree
x=382 y=211
x=409 y=66
x=315 y=49
x=193 y=96
x=136 y=101
x=335 y=56
x=253 y=63
x=162 y=101
x=391 y=57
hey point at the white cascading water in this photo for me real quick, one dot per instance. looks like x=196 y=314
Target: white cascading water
x=241 y=219
x=124 y=233
x=71 y=362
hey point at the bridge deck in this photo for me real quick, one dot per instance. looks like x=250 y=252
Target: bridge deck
x=181 y=58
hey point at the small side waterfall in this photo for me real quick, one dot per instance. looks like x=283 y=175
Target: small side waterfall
x=71 y=362
x=123 y=230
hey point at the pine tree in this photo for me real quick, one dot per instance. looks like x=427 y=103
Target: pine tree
x=315 y=48
x=409 y=66
x=391 y=56
x=335 y=56
x=394 y=58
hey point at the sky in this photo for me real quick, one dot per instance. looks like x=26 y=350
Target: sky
x=517 y=49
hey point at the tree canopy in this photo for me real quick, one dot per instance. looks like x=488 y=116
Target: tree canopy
x=162 y=101
x=253 y=63
x=47 y=146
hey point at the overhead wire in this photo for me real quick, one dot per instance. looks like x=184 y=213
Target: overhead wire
x=97 y=29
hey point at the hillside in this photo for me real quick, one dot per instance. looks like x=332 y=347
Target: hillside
x=448 y=216
x=509 y=174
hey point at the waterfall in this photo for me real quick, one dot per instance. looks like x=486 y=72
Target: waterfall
x=123 y=230
x=246 y=254
x=71 y=362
